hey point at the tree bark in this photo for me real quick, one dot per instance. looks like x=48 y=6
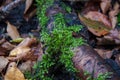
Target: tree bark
x=87 y=59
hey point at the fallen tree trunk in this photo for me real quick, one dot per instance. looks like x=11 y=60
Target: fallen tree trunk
x=86 y=59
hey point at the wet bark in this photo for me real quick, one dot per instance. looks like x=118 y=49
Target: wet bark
x=87 y=59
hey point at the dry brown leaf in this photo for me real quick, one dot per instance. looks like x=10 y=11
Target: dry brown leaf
x=19 y=50
x=12 y=31
x=26 y=66
x=2 y=41
x=2 y=51
x=28 y=42
x=105 y=5
x=30 y=10
x=35 y=54
x=27 y=5
x=3 y=62
x=23 y=48
x=30 y=14
x=95 y=27
x=7 y=45
x=97 y=16
x=113 y=14
x=13 y=73
x=113 y=38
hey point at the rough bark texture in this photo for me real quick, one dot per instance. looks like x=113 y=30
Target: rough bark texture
x=86 y=59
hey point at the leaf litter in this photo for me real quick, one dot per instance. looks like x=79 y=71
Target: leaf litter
x=20 y=51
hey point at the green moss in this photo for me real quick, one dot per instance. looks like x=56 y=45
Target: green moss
x=41 y=11
x=59 y=44
x=102 y=76
x=66 y=7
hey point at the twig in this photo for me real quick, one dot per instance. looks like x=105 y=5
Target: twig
x=6 y=9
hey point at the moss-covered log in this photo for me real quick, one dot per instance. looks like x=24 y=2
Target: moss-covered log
x=58 y=23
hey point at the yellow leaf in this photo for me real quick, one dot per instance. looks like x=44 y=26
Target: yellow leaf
x=19 y=50
x=23 y=48
x=13 y=73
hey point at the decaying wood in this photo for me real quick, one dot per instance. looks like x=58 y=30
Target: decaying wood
x=6 y=9
x=86 y=59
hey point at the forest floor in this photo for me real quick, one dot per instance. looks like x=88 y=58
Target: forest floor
x=59 y=40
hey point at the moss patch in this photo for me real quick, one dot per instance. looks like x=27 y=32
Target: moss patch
x=59 y=44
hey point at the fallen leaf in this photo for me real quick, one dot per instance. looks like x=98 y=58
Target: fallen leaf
x=95 y=27
x=13 y=73
x=19 y=50
x=113 y=14
x=18 y=40
x=28 y=42
x=3 y=62
x=23 y=47
x=35 y=54
x=2 y=51
x=2 y=41
x=105 y=5
x=12 y=31
x=30 y=9
x=26 y=66
x=113 y=38
x=27 y=5
x=7 y=45
x=97 y=16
